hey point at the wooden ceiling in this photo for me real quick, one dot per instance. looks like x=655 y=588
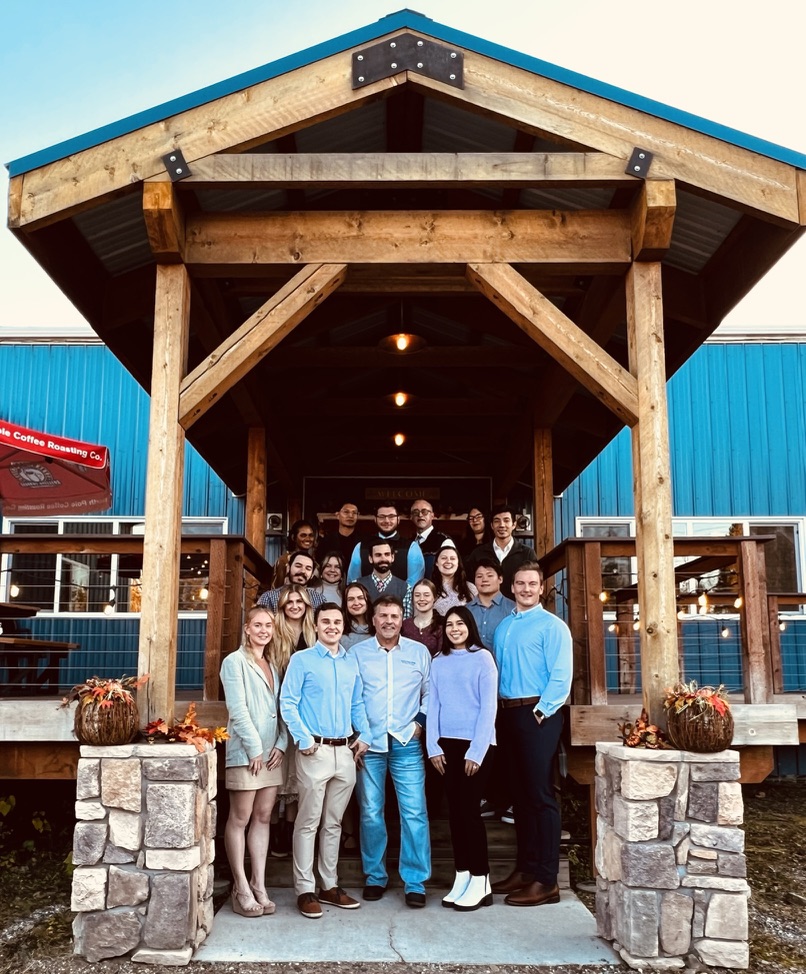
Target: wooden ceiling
x=395 y=199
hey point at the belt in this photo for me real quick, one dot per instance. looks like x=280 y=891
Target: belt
x=518 y=702
x=332 y=741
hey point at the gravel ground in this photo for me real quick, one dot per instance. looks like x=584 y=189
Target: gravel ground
x=35 y=919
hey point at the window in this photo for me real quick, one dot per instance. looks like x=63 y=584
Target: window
x=80 y=583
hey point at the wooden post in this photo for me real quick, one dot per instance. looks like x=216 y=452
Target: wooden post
x=652 y=488
x=755 y=624
x=164 y=481
x=217 y=588
x=256 y=475
x=544 y=492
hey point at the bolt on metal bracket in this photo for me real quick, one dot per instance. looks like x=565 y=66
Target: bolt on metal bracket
x=407 y=52
x=175 y=163
x=640 y=161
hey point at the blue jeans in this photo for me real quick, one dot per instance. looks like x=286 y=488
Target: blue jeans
x=405 y=764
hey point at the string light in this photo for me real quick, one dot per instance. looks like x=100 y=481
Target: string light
x=604 y=596
x=738 y=602
x=725 y=632
x=14 y=590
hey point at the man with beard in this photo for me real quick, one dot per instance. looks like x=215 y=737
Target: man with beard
x=300 y=572
x=381 y=581
x=407 y=559
x=394 y=675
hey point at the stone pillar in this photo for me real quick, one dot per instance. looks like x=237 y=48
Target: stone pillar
x=143 y=852
x=670 y=857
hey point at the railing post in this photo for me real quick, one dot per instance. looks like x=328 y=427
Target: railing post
x=755 y=624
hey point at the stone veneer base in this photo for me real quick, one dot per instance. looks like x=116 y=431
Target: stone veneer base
x=143 y=852
x=670 y=857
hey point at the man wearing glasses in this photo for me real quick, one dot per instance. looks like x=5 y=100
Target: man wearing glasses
x=428 y=538
x=408 y=563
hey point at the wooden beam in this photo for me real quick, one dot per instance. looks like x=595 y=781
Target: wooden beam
x=753 y=723
x=165 y=221
x=652 y=489
x=411 y=170
x=575 y=237
x=256 y=485
x=163 y=507
x=519 y=98
x=238 y=121
x=433 y=357
x=258 y=335
x=755 y=624
x=331 y=407
x=652 y=217
x=559 y=336
x=543 y=480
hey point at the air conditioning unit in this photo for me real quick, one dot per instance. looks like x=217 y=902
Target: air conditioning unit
x=523 y=524
x=274 y=524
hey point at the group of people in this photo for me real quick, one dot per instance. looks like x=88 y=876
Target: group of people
x=418 y=651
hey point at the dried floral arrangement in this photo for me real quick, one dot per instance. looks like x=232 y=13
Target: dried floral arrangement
x=105 y=691
x=690 y=696
x=643 y=734
x=186 y=731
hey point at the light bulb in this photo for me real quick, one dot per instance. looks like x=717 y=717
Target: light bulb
x=400 y=439
x=725 y=632
x=401 y=342
x=204 y=594
x=14 y=590
x=604 y=596
x=738 y=603
x=401 y=398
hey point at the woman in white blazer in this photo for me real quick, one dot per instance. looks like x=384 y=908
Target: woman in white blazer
x=255 y=749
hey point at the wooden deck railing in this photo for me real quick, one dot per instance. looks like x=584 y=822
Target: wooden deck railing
x=235 y=574
x=595 y=580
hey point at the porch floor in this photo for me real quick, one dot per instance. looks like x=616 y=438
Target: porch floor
x=386 y=930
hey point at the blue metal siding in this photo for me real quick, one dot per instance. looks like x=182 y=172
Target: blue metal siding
x=737 y=428
x=83 y=391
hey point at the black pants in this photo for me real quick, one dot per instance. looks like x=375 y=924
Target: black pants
x=530 y=749
x=464 y=793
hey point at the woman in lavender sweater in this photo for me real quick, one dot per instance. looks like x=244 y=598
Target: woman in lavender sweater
x=460 y=732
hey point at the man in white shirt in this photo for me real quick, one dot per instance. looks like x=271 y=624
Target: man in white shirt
x=394 y=672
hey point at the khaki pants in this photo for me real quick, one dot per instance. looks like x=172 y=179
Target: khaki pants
x=326 y=780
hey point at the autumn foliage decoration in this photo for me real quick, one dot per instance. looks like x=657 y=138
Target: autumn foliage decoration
x=698 y=718
x=107 y=712
x=185 y=731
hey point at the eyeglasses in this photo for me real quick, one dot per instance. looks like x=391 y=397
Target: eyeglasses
x=475 y=517
x=416 y=512
x=387 y=517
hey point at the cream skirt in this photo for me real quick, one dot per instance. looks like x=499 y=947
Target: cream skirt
x=240 y=778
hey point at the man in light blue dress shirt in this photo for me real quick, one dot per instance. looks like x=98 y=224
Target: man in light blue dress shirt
x=322 y=704
x=394 y=675
x=533 y=651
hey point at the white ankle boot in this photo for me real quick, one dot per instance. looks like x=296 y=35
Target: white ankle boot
x=475 y=895
x=459 y=886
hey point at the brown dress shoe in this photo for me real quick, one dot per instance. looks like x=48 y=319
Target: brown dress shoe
x=338 y=897
x=308 y=906
x=535 y=894
x=515 y=881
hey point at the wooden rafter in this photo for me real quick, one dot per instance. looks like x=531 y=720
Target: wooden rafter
x=256 y=337
x=165 y=222
x=388 y=236
x=516 y=97
x=559 y=336
x=412 y=170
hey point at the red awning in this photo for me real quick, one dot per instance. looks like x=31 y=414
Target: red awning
x=51 y=475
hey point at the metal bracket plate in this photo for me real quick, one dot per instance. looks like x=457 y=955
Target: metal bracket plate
x=640 y=161
x=406 y=52
x=175 y=163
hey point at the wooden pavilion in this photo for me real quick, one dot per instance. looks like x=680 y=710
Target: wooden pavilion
x=556 y=247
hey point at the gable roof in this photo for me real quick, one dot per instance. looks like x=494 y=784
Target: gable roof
x=404 y=19
x=285 y=164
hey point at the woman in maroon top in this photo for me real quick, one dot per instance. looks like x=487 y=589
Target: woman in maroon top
x=426 y=624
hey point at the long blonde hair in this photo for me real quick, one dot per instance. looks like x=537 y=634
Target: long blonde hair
x=285 y=639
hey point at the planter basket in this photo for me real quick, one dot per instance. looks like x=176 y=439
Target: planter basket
x=702 y=731
x=103 y=726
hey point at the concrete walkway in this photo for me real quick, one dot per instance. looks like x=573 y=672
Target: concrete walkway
x=387 y=930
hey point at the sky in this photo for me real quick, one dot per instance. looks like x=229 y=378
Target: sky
x=68 y=67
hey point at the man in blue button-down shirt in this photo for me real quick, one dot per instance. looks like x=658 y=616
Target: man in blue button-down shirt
x=394 y=674
x=533 y=650
x=322 y=705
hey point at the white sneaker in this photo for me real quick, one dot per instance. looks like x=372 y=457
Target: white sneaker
x=459 y=886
